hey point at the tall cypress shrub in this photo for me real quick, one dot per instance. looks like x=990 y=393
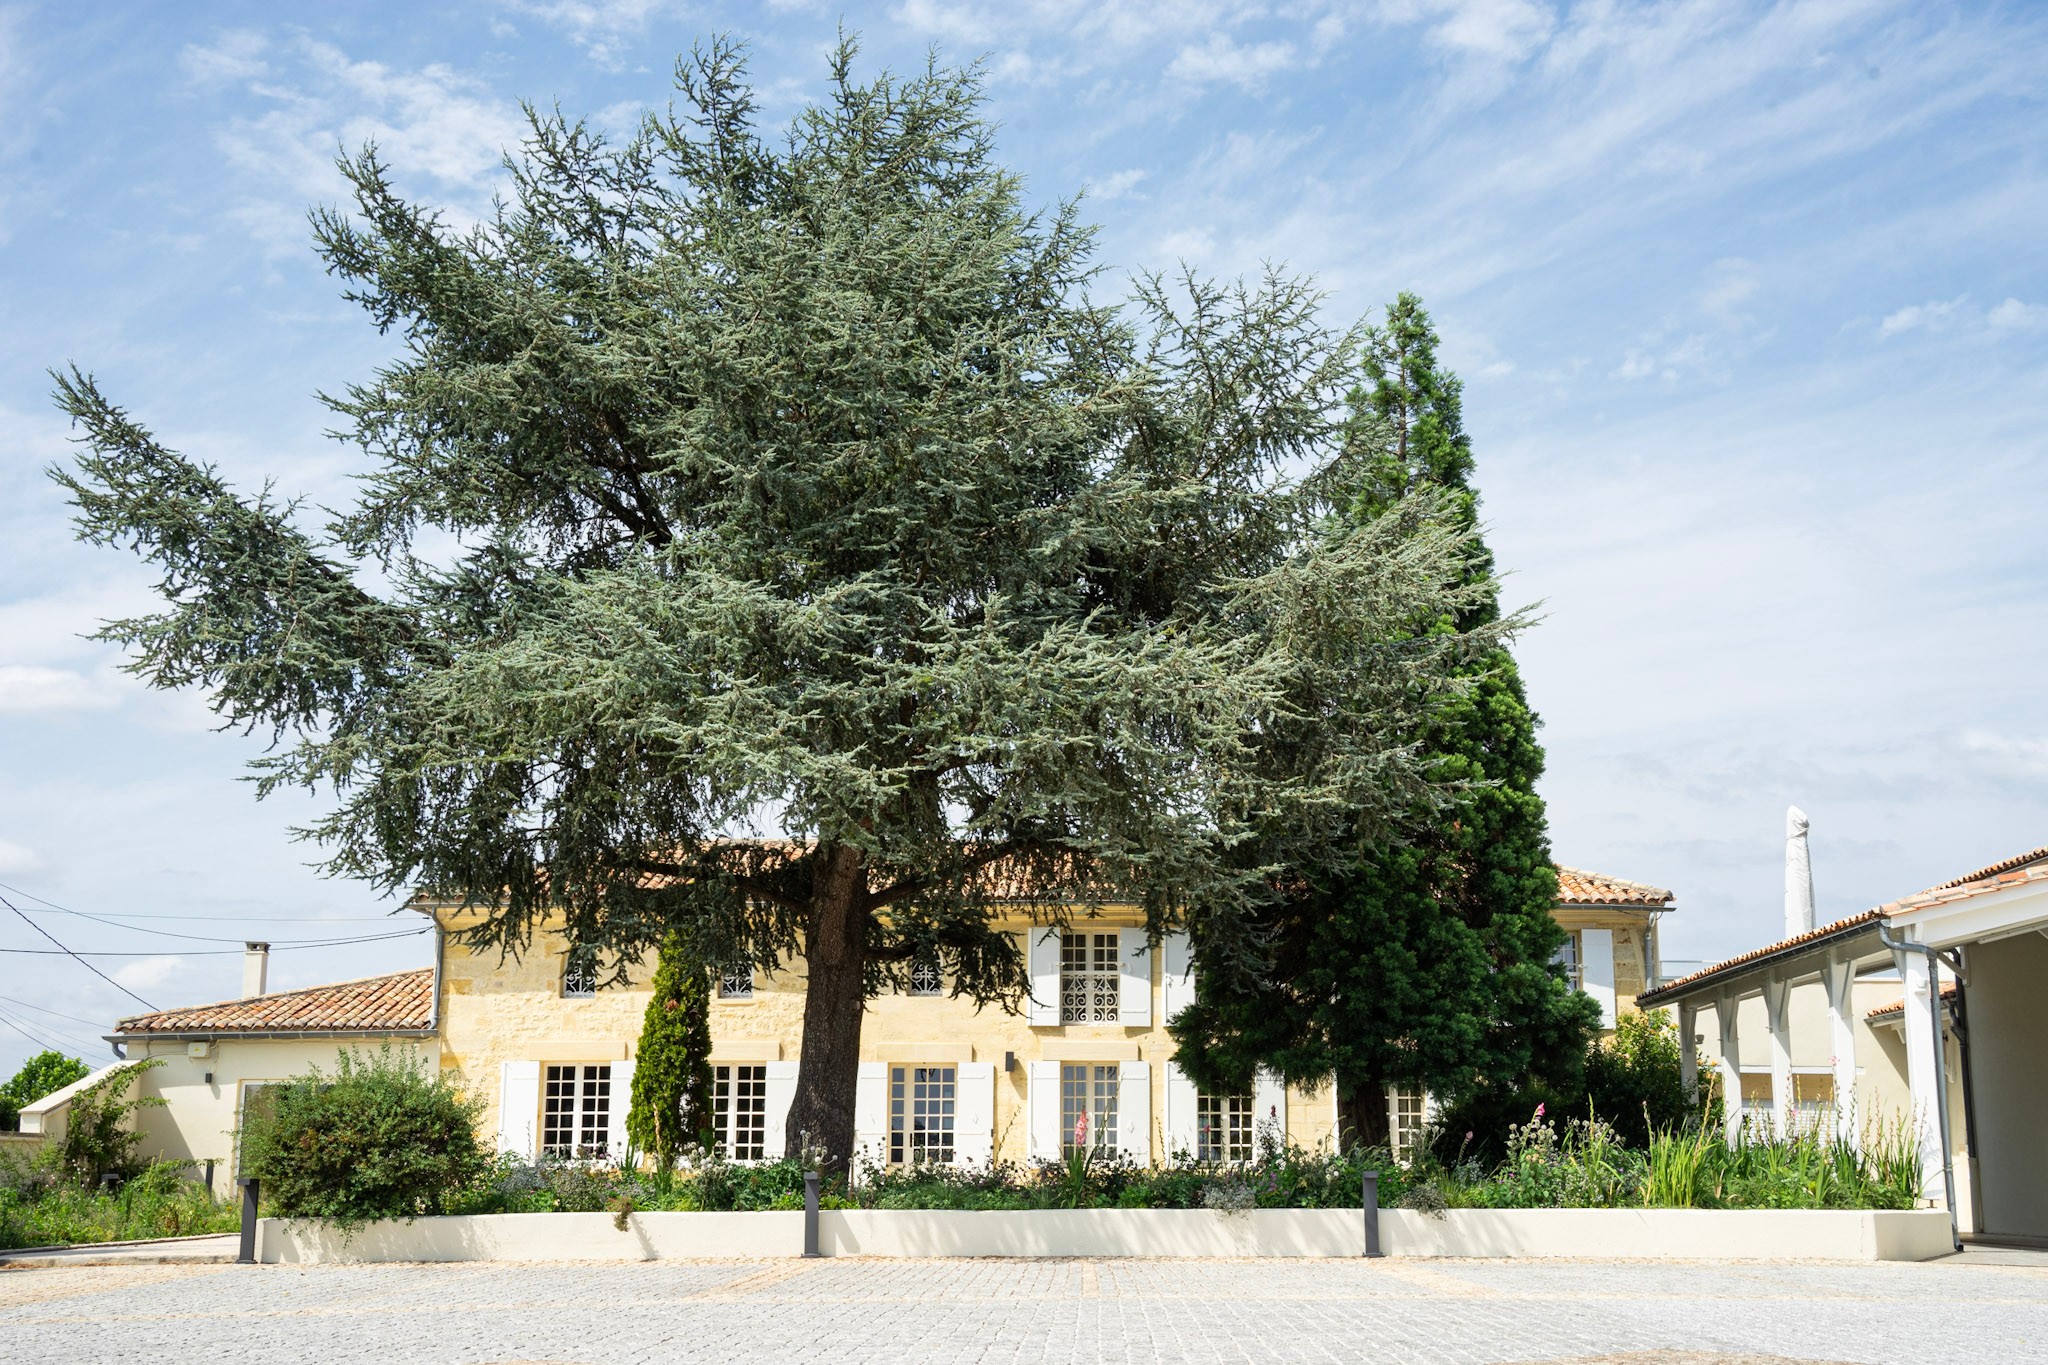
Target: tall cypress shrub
x=1422 y=963
x=672 y=1077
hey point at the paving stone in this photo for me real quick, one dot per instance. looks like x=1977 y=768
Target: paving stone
x=1074 y=1312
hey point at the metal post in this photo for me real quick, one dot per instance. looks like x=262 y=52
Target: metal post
x=1372 y=1214
x=248 y=1256
x=811 y=1214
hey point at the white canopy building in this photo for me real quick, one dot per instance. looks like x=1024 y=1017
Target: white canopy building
x=1969 y=956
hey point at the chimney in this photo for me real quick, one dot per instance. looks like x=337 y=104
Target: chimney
x=1798 y=875
x=255 y=968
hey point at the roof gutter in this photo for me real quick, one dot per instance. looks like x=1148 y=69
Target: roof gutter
x=210 y=1035
x=1935 y=962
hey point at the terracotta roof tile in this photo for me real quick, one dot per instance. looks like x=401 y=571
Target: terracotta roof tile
x=2013 y=863
x=1590 y=888
x=1948 y=992
x=1986 y=882
x=375 y=1004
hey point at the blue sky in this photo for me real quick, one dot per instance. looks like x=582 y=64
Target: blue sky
x=1751 y=303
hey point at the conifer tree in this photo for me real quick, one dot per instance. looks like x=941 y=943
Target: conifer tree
x=827 y=564
x=1422 y=963
x=672 y=1068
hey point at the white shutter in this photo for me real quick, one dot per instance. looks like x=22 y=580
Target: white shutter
x=1596 y=951
x=781 y=1094
x=1045 y=977
x=1269 y=1107
x=1042 y=1110
x=621 y=1104
x=518 y=1107
x=1182 y=1130
x=1134 y=992
x=974 y=1114
x=1134 y=1112
x=871 y=1114
x=1176 y=976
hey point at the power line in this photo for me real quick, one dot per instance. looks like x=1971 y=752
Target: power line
x=194 y=938
x=43 y=1043
x=197 y=952
x=245 y=919
x=45 y=1009
x=74 y=956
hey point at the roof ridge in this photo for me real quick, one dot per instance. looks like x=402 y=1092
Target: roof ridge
x=271 y=995
x=2018 y=860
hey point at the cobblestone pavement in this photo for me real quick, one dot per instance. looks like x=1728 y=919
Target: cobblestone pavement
x=1042 y=1312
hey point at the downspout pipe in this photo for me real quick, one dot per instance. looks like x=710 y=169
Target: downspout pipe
x=1935 y=961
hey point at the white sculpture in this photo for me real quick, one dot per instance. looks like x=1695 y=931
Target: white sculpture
x=1798 y=875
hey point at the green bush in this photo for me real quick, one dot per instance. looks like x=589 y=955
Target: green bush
x=99 y=1130
x=37 y=1208
x=380 y=1138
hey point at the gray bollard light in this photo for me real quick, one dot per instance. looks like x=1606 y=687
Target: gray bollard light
x=249 y=1192
x=1372 y=1214
x=811 y=1214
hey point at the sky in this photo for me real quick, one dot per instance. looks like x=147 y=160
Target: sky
x=1750 y=302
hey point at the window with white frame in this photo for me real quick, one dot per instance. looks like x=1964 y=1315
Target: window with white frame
x=1090 y=978
x=921 y=1102
x=579 y=975
x=1088 y=1088
x=1404 y=1122
x=926 y=978
x=736 y=981
x=576 y=1110
x=1567 y=956
x=739 y=1110
x=1224 y=1128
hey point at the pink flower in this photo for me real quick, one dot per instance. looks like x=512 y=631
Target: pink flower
x=1539 y=1111
x=1081 y=1129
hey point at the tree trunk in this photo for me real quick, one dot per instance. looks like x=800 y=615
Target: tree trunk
x=835 y=952
x=1362 y=1119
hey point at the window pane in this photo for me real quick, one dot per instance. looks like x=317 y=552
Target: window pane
x=921 y=1112
x=739 y=1110
x=1090 y=978
x=1224 y=1128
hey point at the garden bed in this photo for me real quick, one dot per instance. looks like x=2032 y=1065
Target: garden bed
x=1625 y=1234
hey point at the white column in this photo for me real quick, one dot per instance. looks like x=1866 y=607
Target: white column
x=1777 y=1011
x=1726 y=1010
x=1688 y=1051
x=1923 y=1068
x=1840 y=980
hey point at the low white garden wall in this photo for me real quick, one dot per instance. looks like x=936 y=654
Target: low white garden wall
x=1625 y=1234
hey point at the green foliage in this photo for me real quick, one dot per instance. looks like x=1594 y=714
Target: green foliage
x=99 y=1129
x=672 y=1073
x=38 y=1209
x=41 y=1074
x=379 y=1138
x=1634 y=1081
x=803 y=485
x=1631 y=1082
x=1421 y=962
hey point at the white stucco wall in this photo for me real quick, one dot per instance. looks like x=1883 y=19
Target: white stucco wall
x=2009 y=1072
x=198 y=1120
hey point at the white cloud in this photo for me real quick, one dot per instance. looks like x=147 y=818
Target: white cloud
x=2012 y=315
x=1116 y=185
x=31 y=688
x=2007 y=755
x=1222 y=60
x=147 y=972
x=432 y=123
x=602 y=28
x=17 y=859
x=237 y=55
x=1635 y=365
x=1933 y=314
x=1505 y=29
